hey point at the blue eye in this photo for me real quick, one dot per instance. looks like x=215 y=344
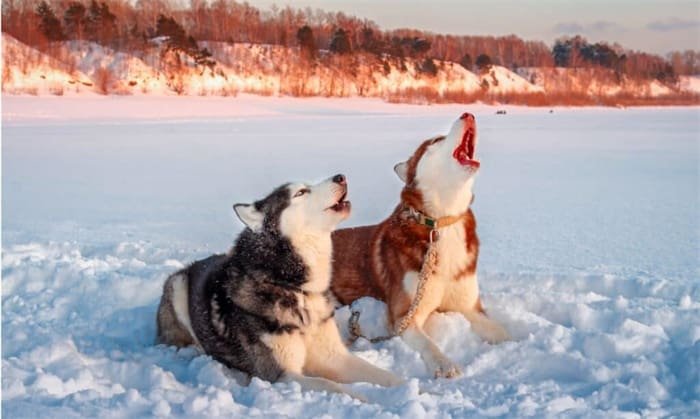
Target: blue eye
x=302 y=192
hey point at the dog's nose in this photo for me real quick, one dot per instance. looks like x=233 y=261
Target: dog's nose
x=339 y=179
x=467 y=115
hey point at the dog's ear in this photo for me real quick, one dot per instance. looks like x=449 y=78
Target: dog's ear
x=401 y=170
x=249 y=215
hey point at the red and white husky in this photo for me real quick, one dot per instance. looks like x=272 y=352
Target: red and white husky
x=383 y=261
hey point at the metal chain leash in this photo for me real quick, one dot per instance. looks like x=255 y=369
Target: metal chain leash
x=427 y=270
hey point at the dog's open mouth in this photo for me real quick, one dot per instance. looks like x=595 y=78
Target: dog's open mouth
x=341 y=204
x=465 y=151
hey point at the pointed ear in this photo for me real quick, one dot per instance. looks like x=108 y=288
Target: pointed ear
x=250 y=216
x=401 y=170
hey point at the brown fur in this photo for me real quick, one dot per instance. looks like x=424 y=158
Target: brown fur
x=361 y=267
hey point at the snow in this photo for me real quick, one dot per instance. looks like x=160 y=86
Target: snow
x=241 y=67
x=502 y=80
x=28 y=71
x=690 y=84
x=591 y=81
x=588 y=219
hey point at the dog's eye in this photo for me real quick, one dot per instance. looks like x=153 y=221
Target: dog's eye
x=302 y=192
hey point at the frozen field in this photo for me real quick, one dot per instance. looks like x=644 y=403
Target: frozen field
x=589 y=222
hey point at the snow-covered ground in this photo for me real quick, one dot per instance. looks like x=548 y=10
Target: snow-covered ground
x=588 y=219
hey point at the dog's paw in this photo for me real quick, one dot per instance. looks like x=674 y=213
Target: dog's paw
x=447 y=369
x=392 y=381
x=495 y=334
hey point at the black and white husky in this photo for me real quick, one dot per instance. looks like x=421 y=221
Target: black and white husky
x=264 y=308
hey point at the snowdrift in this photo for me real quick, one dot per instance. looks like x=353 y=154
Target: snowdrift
x=588 y=225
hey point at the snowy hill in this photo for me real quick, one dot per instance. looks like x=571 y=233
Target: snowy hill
x=690 y=84
x=591 y=81
x=28 y=71
x=79 y=66
x=501 y=80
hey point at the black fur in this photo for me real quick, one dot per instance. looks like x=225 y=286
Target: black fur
x=256 y=287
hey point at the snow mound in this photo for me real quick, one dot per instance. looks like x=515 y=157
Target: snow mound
x=251 y=68
x=690 y=84
x=501 y=80
x=591 y=81
x=82 y=329
x=28 y=71
x=588 y=257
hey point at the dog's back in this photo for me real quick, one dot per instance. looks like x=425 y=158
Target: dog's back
x=353 y=276
x=173 y=319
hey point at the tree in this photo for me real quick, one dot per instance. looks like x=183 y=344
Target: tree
x=466 y=62
x=177 y=37
x=340 y=44
x=419 y=46
x=74 y=20
x=307 y=42
x=49 y=24
x=179 y=40
x=561 y=52
x=428 y=67
x=483 y=62
x=369 y=42
x=101 y=25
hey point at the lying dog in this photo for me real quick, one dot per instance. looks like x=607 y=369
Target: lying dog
x=264 y=307
x=384 y=261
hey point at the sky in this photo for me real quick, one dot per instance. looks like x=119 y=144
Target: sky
x=656 y=26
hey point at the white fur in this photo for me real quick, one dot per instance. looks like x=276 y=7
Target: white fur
x=219 y=324
x=446 y=187
x=249 y=216
x=435 y=361
x=328 y=357
x=401 y=170
x=308 y=222
x=410 y=283
x=486 y=328
x=288 y=349
x=181 y=305
x=445 y=184
x=319 y=351
x=315 y=251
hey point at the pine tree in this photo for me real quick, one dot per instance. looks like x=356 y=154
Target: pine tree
x=483 y=62
x=428 y=67
x=340 y=44
x=101 y=25
x=466 y=62
x=49 y=24
x=307 y=42
x=74 y=19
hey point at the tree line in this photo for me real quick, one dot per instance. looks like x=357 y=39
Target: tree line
x=128 y=26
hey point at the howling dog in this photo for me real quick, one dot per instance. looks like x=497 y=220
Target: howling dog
x=264 y=308
x=384 y=261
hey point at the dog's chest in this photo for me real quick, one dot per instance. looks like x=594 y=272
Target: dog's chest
x=317 y=308
x=451 y=279
x=453 y=256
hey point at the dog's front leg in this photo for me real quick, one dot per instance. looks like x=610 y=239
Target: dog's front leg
x=318 y=384
x=463 y=297
x=434 y=359
x=290 y=355
x=487 y=329
x=328 y=357
x=414 y=335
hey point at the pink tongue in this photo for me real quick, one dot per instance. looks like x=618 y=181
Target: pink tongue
x=461 y=156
